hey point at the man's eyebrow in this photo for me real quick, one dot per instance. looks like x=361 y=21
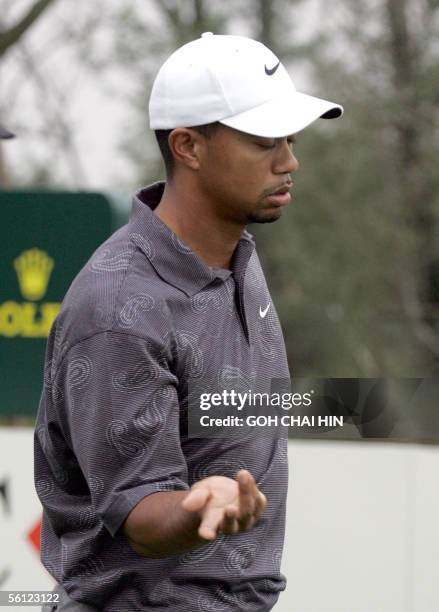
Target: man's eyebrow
x=292 y=138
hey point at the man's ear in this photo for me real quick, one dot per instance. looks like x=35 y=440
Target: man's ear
x=185 y=145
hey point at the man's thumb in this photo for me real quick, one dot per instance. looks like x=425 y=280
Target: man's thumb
x=196 y=499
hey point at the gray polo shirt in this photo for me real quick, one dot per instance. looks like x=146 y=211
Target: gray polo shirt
x=143 y=317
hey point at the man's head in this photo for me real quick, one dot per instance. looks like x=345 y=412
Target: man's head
x=225 y=111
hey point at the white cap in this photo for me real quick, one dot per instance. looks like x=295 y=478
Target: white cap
x=236 y=81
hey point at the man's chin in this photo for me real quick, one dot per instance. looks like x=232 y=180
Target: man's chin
x=266 y=216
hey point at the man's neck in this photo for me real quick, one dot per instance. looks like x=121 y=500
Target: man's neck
x=211 y=238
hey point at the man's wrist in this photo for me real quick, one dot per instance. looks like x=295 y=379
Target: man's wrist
x=159 y=526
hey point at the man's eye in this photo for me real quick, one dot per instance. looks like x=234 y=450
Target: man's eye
x=266 y=145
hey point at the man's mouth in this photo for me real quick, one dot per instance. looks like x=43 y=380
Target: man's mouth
x=281 y=196
x=283 y=189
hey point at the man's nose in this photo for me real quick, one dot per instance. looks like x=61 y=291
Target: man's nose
x=286 y=161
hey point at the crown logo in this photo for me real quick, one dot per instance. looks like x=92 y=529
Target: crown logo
x=33 y=269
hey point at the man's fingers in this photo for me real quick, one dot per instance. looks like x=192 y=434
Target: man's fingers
x=210 y=523
x=243 y=476
x=252 y=502
x=261 y=504
x=230 y=525
x=232 y=518
x=196 y=499
x=247 y=496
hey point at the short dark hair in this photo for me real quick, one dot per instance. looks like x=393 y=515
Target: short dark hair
x=162 y=137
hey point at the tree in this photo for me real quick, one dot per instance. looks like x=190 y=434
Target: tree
x=36 y=96
x=414 y=122
x=8 y=38
x=359 y=248
x=11 y=35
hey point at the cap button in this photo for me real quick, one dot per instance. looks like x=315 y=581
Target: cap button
x=206 y=34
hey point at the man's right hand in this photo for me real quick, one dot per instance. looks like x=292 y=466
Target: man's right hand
x=226 y=505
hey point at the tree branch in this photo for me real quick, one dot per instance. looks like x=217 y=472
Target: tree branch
x=9 y=37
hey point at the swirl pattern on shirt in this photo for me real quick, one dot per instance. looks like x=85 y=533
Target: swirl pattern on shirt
x=94 y=568
x=150 y=420
x=144 y=244
x=231 y=377
x=44 y=487
x=96 y=484
x=120 y=437
x=222 y=601
x=203 y=553
x=132 y=309
x=240 y=558
x=111 y=262
x=87 y=519
x=138 y=377
x=217 y=466
x=79 y=371
x=185 y=341
x=203 y=301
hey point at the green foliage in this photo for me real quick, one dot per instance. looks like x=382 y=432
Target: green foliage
x=353 y=261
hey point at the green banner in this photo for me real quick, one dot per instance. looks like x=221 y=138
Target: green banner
x=45 y=237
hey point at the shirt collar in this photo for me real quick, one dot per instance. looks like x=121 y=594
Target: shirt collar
x=171 y=258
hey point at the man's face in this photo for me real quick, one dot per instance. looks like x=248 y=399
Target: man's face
x=240 y=174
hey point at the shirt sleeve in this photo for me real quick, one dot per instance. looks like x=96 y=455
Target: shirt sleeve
x=118 y=402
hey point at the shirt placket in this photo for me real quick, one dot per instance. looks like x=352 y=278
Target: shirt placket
x=239 y=268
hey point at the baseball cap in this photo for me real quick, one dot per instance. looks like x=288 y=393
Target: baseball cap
x=236 y=81
x=5 y=134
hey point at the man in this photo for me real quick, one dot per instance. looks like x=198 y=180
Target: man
x=138 y=514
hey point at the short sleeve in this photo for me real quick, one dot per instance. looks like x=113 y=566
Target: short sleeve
x=118 y=401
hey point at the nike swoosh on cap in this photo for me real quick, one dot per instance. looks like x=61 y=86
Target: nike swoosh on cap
x=271 y=71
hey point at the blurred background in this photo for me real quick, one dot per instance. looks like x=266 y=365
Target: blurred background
x=352 y=265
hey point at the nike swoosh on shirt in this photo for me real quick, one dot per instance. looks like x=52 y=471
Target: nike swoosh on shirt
x=271 y=71
x=262 y=313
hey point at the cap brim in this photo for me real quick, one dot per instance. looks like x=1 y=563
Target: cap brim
x=283 y=116
x=5 y=134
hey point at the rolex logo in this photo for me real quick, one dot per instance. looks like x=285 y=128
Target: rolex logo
x=33 y=269
x=30 y=318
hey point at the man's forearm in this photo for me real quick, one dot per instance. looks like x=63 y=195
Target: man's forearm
x=159 y=527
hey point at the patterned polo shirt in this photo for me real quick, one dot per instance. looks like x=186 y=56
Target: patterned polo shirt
x=142 y=318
